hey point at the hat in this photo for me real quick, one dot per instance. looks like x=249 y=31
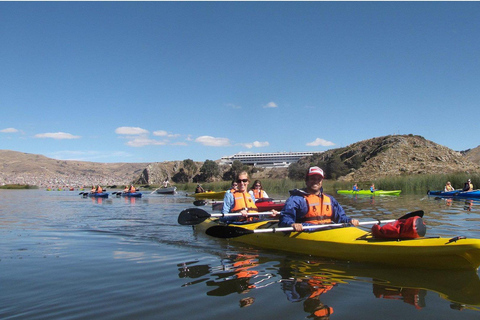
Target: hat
x=469 y=180
x=315 y=170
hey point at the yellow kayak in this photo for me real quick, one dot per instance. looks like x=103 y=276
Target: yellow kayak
x=209 y=195
x=354 y=244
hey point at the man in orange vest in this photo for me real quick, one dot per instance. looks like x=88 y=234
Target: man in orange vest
x=310 y=206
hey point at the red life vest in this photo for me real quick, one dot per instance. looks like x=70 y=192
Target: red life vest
x=243 y=200
x=259 y=194
x=319 y=209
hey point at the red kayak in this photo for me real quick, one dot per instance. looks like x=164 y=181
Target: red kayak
x=269 y=205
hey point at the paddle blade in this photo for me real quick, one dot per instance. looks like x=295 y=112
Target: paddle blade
x=192 y=216
x=200 y=202
x=227 y=231
x=418 y=213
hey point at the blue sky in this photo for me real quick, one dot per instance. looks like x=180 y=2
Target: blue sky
x=160 y=81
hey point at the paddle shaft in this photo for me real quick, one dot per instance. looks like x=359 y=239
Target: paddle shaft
x=319 y=226
x=238 y=214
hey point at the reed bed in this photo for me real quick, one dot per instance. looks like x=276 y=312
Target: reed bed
x=408 y=184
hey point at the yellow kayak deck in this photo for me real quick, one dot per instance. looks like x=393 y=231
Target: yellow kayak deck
x=209 y=195
x=354 y=244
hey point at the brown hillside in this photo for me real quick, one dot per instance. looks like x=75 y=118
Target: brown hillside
x=396 y=155
x=473 y=155
x=362 y=161
x=25 y=168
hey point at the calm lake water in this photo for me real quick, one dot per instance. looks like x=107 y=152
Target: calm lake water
x=67 y=257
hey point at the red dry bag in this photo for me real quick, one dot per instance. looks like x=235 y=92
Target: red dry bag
x=410 y=228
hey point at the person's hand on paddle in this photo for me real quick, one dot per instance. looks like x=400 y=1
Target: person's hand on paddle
x=297 y=227
x=244 y=213
x=354 y=222
x=274 y=213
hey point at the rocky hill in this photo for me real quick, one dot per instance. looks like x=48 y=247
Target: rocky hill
x=473 y=154
x=362 y=161
x=392 y=156
x=25 y=168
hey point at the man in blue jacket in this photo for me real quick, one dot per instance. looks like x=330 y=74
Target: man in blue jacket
x=310 y=206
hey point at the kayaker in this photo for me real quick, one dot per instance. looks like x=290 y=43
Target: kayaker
x=99 y=189
x=233 y=187
x=132 y=189
x=199 y=189
x=165 y=183
x=372 y=187
x=355 y=187
x=257 y=190
x=448 y=187
x=240 y=201
x=468 y=186
x=311 y=206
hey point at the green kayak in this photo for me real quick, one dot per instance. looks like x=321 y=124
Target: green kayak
x=368 y=192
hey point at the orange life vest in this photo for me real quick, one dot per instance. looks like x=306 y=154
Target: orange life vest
x=243 y=200
x=319 y=286
x=319 y=209
x=259 y=194
x=325 y=311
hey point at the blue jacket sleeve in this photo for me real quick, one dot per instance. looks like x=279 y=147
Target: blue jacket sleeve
x=228 y=202
x=339 y=215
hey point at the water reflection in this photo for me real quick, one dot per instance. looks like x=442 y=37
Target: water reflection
x=307 y=282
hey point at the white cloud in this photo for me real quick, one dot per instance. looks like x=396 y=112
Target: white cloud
x=142 y=142
x=271 y=105
x=256 y=144
x=233 y=106
x=9 y=130
x=57 y=135
x=131 y=131
x=320 y=142
x=163 y=133
x=160 y=133
x=212 y=141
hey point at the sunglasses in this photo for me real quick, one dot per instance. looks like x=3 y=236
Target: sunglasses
x=242 y=180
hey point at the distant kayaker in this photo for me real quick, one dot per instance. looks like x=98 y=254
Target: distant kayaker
x=199 y=189
x=165 y=183
x=448 y=187
x=468 y=186
x=311 y=206
x=240 y=201
x=372 y=188
x=99 y=189
x=233 y=187
x=257 y=190
x=355 y=187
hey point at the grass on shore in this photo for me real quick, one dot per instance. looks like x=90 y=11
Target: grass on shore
x=18 y=186
x=408 y=184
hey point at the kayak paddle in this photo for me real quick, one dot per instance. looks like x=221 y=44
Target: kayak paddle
x=233 y=232
x=195 y=216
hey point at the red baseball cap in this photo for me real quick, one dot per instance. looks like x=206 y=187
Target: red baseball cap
x=315 y=170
